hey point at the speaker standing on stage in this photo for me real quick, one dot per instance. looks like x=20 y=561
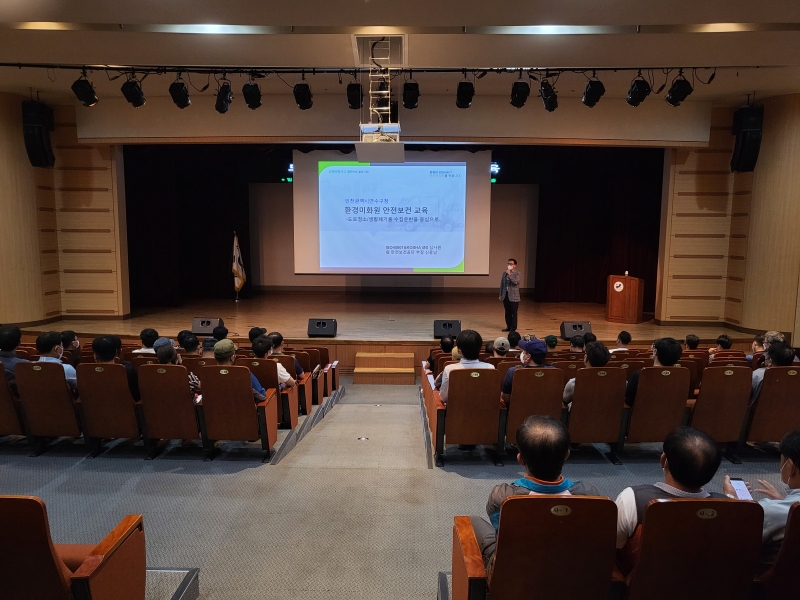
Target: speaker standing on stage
x=509 y=294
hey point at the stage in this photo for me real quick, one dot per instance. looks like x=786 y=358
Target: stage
x=374 y=322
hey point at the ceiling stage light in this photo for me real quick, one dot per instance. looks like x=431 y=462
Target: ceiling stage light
x=640 y=90
x=520 y=91
x=84 y=91
x=355 y=95
x=410 y=94
x=224 y=97
x=678 y=91
x=251 y=93
x=549 y=96
x=303 y=96
x=180 y=93
x=464 y=94
x=132 y=90
x=593 y=92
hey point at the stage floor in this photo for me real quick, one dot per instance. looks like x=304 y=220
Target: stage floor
x=380 y=318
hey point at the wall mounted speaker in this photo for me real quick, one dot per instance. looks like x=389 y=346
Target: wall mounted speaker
x=747 y=124
x=37 y=123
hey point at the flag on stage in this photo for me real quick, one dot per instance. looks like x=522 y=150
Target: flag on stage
x=237 y=268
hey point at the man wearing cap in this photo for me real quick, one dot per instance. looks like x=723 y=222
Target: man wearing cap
x=500 y=347
x=532 y=355
x=551 y=342
x=161 y=342
x=225 y=354
x=509 y=293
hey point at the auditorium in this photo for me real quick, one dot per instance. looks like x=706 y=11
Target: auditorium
x=305 y=300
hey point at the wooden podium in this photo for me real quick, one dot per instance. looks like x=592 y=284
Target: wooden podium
x=624 y=299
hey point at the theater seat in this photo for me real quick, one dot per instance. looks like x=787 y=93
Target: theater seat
x=660 y=403
x=10 y=422
x=167 y=405
x=303 y=384
x=782 y=582
x=721 y=406
x=597 y=407
x=534 y=392
x=548 y=548
x=776 y=410
x=33 y=568
x=696 y=549
x=266 y=371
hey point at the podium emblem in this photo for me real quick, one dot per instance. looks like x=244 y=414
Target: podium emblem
x=618 y=286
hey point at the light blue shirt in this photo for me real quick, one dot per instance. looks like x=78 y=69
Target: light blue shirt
x=69 y=370
x=776 y=512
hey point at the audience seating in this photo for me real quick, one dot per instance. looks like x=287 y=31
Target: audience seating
x=597 y=407
x=316 y=371
x=729 y=354
x=504 y=366
x=194 y=363
x=147 y=359
x=570 y=367
x=483 y=356
x=534 y=392
x=440 y=360
x=629 y=365
x=553 y=547
x=230 y=412
x=303 y=386
x=782 y=581
x=47 y=403
x=660 y=404
x=495 y=360
x=473 y=412
x=696 y=549
x=330 y=382
x=307 y=384
x=107 y=408
x=10 y=421
x=721 y=406
x=757 y=361
x=691 y=365
x=266 y=371
x=776 y=409
x=32 y=567
x=167 y=405
x=728 y=362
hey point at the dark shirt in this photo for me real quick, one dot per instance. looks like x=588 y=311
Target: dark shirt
x=10 y=360
x=507 y=382
x=630 y=389
x=133 y=380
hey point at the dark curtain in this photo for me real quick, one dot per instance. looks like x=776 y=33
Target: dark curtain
x=183 y=204
x=599 y=214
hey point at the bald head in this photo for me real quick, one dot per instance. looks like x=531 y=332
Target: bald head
x=692 y=455
x=543 y=443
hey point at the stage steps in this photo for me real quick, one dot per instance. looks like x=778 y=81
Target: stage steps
x=387 y=368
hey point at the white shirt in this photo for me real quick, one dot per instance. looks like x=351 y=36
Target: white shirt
x=463 y=364
x=618 y=350
x=144 y=351
x=569 y=391
x=776 y=512
x=627 y=516
x=283 y=374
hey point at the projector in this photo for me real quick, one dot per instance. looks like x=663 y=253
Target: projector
x=391 y=138
x=380 y=143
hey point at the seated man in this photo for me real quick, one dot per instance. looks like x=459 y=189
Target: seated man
x=161 y=342
x=167 y=355
x=208 y=347
x=469 y=345
x=72 y=347
x=691 y=342
x=724 y=342
x=778 y=354
x=219 y=333
x=500 y=347
x=777 y=503
x=148 y=337
x=597 y=355
x=756 y=346
x=588 y=338
x=666 y=352
x=623 y=339
x=689 y=460
x=262 y=348
x=255 y=332
x=50 y=350
x=772 y=337
x=551 y=342
x=533 y=355
x=182 y=335
x=105 y=351
x=225 y=354
x=576 y=344
x=446 y=344
x=513 y=339
x=277 y=348
x=10 y=337
x=543 y=444
x=191 y=345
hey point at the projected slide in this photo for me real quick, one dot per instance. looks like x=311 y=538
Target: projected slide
x=392 y=217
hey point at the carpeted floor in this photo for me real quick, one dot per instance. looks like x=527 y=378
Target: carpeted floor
x=337 y=518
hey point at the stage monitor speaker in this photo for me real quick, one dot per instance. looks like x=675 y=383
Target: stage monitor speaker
x=570 y=328
x=322 y=328
x=443 y=327
x=37 y=123
x=205 y=325
x=747 y=123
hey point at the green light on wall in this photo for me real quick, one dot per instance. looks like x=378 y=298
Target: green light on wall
x=493 y=180
x=289 y=179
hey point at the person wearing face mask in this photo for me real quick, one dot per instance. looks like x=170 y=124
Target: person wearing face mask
x=509 y=293
x=777 y=503
x=50 y=349
x=532 y=355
